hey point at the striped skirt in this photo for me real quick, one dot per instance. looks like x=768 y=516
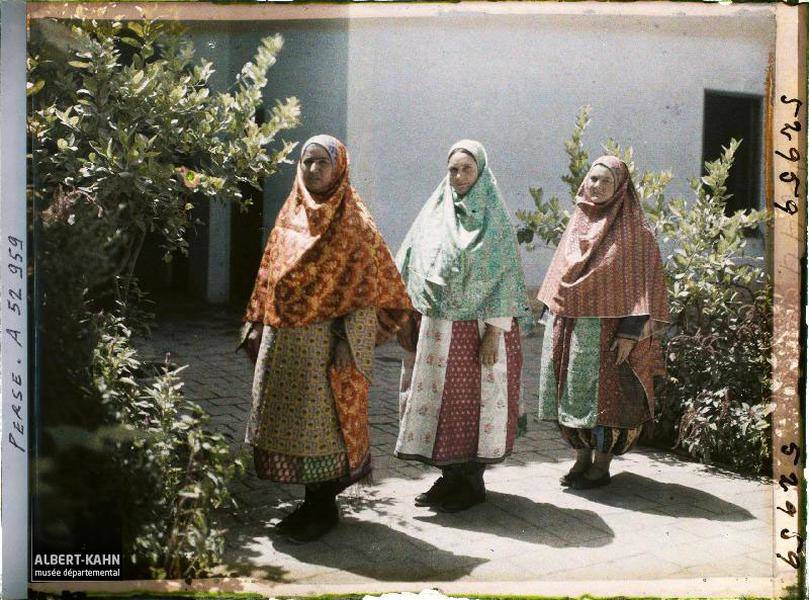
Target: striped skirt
x=453 y=409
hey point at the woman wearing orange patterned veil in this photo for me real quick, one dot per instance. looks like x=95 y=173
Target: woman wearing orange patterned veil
x=327 y=289
x=607 y=294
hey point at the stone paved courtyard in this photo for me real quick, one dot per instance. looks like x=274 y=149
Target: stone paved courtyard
x=662 y=518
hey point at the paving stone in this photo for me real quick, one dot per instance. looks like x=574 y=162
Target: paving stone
x=661 y=516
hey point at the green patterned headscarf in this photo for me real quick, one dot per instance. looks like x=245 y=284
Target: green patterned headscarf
x=459 y=260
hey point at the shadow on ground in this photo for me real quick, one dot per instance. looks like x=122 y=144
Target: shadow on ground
x=672 y=499
x=539 y=522
x=367 y=549
x=356 y=501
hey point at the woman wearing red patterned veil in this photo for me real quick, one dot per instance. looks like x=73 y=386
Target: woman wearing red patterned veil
x=327 y=289
x=606 y=293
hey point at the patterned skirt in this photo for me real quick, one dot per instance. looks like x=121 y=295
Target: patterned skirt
x=597 y=404
x=453 y=409
x=309 y=421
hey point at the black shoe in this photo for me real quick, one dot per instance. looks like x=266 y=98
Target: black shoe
x=293 y=519
x=442 y=487
x=321 y=520
x=569 y=478
x=584 y=483
x=464 y=497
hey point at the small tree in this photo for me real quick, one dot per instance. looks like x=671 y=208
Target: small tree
x=547 y=222
x=718 y=351
x=714 y=402
x=126 y=138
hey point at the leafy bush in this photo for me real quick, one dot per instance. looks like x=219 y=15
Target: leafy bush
x=126 y=137
x=718 y=352
x=714 y=400
x=175 y=470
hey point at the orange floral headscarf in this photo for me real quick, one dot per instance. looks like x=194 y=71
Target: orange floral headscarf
x=325 y=257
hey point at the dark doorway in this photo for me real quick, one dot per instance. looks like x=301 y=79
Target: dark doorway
x=728 y=115
x=245 y=246
x=157 y=276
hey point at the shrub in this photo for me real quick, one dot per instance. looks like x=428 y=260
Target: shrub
x=719 y=348
x=714 y=400
x=172 y=471
x=126 y=137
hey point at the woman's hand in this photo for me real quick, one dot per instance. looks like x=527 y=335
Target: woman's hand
x=406 y=336
x=253 y=341
x=342 y=355
x=624 y=346
x=489 y=344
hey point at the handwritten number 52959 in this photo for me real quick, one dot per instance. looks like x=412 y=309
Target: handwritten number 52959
x=792 y=155
x=793 y=557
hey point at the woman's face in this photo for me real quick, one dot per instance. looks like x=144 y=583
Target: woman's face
x=463 y=172
x=318 y=169
x=599 y=184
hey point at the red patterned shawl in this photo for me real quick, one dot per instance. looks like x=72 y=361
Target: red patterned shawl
x=608 y=262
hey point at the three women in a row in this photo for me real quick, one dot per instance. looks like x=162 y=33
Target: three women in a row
x=328 y=290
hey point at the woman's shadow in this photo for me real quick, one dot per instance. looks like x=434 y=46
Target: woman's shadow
x=365 y=548
x=520 y=518
x=644 y=494
x=378 y=551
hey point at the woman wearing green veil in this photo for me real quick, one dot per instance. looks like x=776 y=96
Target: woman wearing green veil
x=459 y=402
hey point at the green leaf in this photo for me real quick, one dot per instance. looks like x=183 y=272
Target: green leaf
x=33 y=88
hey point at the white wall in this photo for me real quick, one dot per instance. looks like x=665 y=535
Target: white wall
x=515 y=83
